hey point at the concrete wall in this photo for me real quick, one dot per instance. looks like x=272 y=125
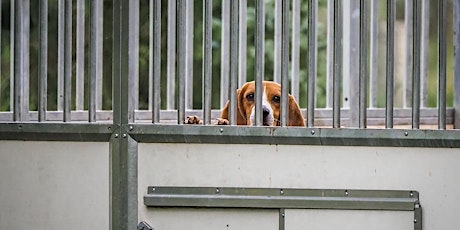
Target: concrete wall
x=434 y=172
x=54 y=185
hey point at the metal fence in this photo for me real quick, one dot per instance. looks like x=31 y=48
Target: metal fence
x=352 y=83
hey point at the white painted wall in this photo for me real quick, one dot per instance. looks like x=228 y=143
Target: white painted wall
x=54 y=185
x=434 y=172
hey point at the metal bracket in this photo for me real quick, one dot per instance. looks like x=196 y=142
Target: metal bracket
x=144 y=226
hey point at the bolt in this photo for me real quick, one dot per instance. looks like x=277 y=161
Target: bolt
x=217 y=190
x=116 y=135
x=346 y=192
x=124 y=135
x=283 y=215
x=411 y=194
x=153 y=189
x=313 y=132
x=281 y=192
x=415 y=220
x=406 y=134
x=221 y=130
x=109 y=128
x=19 y=126
x=131 y=128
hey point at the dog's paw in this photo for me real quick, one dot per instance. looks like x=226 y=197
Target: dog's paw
x=193 y=120
x=222 y=121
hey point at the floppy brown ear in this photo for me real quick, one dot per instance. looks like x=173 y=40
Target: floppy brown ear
x=295 y=116
x=240 y=115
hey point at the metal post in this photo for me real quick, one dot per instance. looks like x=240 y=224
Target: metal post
x=95 y=71
x=233 y=61
x=416 y=65
x=363 y=70
x=337 y=63
x=67 y=61
x=260 y=61
x=330 y=54
x=207 y=61
x=189 y=34
x=277 y=41
x=181 y=59
x=133 y=60
x=442 y=20
x=171 y=56
x=80 y=56
x=123 y=149
x=373 y=53
x=311 y=61
x=456 y=25
x=43 y=61
x=12 y=57
x=242 y=45
x=21 y=61
x=425 y=42
x=225 y=53
x=285 y=64
x=408 y=16
x=60 y=54
x=155 y=59
x=391 y=14
x=295 y=49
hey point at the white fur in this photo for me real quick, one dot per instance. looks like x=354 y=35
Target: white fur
x=265 y=105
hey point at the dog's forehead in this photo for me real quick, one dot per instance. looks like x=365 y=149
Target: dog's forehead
x=270 y=86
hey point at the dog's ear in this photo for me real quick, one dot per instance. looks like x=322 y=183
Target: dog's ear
x=295 y=116
x=240 y=115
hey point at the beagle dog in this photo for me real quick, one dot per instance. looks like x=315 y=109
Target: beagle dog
x=271 y=98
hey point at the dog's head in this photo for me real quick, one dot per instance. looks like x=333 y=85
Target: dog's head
x=271 y=99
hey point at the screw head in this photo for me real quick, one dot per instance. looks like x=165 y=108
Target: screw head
x=116 y=135
x=124 y=135
x=217 y=190
x=281 y=192
x=406 y=134
x=313 y=132
x=221 y=130
x=131 y=128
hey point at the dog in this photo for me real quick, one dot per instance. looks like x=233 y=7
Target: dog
x=271 y=103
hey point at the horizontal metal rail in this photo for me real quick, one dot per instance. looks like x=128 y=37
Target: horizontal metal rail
x=275 y=198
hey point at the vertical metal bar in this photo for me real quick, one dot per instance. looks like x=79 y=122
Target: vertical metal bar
x=80 y=56
x=408 y=16
x=285 y=64
x=373 y=54
x=189 y=34
x=98 y=9
x=171 y=56
x=67 y=61
x=295 y=49
x=155 y=59
x=181 y=53
x=424 y=65
x=416 y=65
x=418 y=217
x=21 y=63
x=337 y=63
x=277 y=40
x=233 y=61
x=1 y=50
x=442 y=20
x=95 y=70
x=43 y=61
x=312 y=12
x=151 y=40
x=12 y=57
x=330 y=54
x=282 y=219
x=363 y=70
x=350 y=59
x=133 y=60
x=207 y=61
x=60 y=61
x=391 y=14
x=225 y=53
x=123 y=149
x=242 y=46
x=456 y=30
x=260 y=60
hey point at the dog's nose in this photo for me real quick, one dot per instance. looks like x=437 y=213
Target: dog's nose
x=265 y=111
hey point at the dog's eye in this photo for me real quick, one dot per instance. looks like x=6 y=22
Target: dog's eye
x=276 y=99
x=250 y=97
